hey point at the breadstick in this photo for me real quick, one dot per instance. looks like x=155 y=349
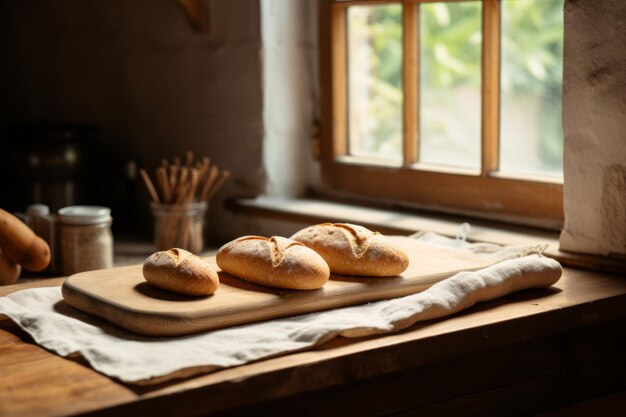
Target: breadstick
x=164 y=183
x=213 y=172
x=218 y=183
x=149 y=186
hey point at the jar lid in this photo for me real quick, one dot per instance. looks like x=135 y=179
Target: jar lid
x=35 y=210
x=84 y=214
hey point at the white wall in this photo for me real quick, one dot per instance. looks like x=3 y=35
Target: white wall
x=594 y=121
x=290 y=86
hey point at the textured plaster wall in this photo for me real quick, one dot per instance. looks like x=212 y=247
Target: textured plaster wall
x=139 y=71
x=594 y=120
x=290 y=90
x=290 y=104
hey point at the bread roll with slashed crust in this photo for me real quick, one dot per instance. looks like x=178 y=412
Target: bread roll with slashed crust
x=274 y=262
x=354 y=250
x=180 y=271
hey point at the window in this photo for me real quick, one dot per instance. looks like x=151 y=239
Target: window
x=452 y=105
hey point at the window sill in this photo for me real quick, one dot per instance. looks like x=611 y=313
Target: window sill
x=405 y=222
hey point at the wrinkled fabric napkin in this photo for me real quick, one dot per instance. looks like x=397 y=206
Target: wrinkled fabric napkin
x=135 y=359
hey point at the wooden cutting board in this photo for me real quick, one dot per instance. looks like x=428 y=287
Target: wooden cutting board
x=123 y=297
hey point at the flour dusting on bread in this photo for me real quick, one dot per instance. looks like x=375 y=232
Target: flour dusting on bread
x=354 y=250
x=275 y=262
x=180 y=271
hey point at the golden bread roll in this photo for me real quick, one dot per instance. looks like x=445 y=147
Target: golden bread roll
x=180 y=271
x=274 y=262
x=21 y=245
x=354 y=250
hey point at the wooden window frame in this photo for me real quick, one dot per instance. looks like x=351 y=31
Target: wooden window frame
x=488 y=193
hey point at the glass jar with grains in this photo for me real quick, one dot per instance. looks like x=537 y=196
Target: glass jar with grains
x=85 y=240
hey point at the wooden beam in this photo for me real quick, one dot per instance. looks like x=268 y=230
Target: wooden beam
x=490 y=88
x=410 y=81
x=339 y=68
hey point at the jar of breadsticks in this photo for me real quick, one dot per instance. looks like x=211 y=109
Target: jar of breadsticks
x=179 y=225
x=180 y=191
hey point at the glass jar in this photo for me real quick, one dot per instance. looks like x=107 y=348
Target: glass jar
x=42 y=223
x=85 y=240
x=179 y=226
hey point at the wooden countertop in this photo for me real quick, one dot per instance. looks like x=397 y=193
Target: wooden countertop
x=532 y=351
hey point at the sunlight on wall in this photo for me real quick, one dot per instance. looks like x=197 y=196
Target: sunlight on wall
x=288 y=31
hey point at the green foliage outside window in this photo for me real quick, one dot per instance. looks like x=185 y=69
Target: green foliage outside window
x=531 y=42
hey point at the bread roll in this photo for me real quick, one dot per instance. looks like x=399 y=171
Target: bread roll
x=180 y=271
x=21 y=245
x=274 y=262
x=354 y=250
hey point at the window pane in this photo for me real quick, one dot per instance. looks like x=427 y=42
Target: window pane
x=450 y=81
x=531 y=135
x=375 y=80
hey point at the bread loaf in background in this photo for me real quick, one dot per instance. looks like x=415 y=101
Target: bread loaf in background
x=181 y=272
x=354 y=250
x=21 y=245
x=274 y=262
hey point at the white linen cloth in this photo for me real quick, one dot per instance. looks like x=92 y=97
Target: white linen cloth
x=131 y=358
